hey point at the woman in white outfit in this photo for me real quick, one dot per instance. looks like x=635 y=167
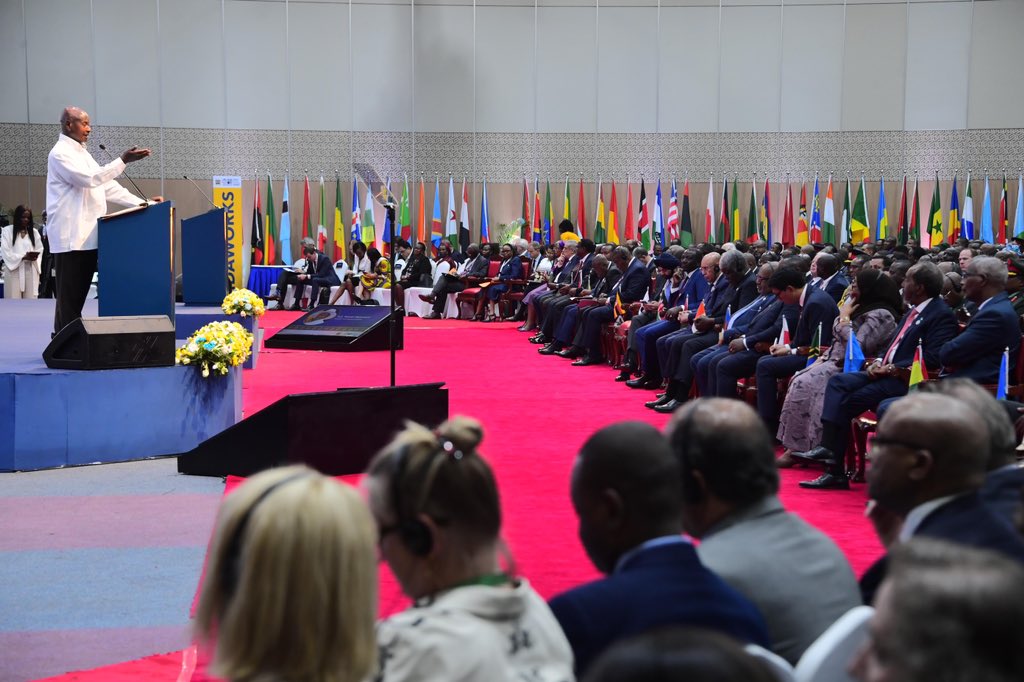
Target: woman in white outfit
x=436 y=504
x=21 y=247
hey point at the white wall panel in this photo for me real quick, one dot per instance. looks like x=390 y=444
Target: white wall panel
x=504 y=69
x=257 y=67
x=812 y=67
x=14 y=103
x=997 y=52
x=751 y=50
x=627 y=66
x=318 y=55
x=59 y=77
x=688 y=73
x=444 y=68
x=937 y=54
x=192 y=50
x=383 y=69
x=874 y=67
x=127 y=62
x=566 y=60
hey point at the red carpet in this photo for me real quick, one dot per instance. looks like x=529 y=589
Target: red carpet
x=536 y=412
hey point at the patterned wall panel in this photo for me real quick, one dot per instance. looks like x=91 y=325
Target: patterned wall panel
x=445 y=154
x=505 y=157
x=14 y=153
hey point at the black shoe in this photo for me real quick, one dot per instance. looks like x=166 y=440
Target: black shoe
x=572 y=352
x=587 y=361
x=660 y=401
x=552 y=348
x=820 y=454
x=827 y=482
x=624 y=375
x=643 y=382
x=669 y=407
x=539 y=339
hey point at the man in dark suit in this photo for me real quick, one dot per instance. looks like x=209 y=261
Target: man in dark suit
x=705 y=329
x=651 y=312
x=817 y=312
x=929 y=323
x=631 y=287
x=629 y=511
x=695 y=289
x=319 y=272
x=582 y=280
x=977 y=352
x=828 y=277
x=605 y=277
x=452 y=283
x=759 y=315
x=927 y=465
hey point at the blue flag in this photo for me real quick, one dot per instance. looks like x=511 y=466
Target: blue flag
x=854 y=354
x=986 y=216
x=1004 y=376
x=485 y=232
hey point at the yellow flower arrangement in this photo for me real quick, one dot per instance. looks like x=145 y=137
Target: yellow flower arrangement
x=243 y=302
x=216 y=347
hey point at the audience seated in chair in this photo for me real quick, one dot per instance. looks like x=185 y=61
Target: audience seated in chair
x=436 y=504
x=360 y=266
x=775 y=559
x=290 y=589
x=474 y=269
x=629 y=510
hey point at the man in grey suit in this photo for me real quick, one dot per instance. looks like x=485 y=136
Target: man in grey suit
x=795 y=575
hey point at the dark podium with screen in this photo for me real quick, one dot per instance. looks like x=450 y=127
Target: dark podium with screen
x=345 y=328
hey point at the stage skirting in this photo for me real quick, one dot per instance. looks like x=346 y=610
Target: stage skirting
x=262 y=276
x=55 y=418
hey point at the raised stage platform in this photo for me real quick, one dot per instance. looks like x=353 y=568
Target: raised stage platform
x=53 y=418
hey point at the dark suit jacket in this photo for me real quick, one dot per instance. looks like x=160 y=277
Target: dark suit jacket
x=633 y=285
x=324 y=274
x=757 y=319
x=718 y=297
x=933 y=327
x=1002 y=491
x=767 y=326
x=477 y=267
x=818 y=310
x=695 y=289
x=978 y=351
x=661 y=586
x=741 y=295
x=966 y=520
x=837 y=286
x=511 y=269
x=604 y=286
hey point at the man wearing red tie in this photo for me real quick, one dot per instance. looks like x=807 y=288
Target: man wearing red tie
x=928 y=321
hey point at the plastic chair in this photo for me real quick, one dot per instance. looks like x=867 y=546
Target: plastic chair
x=779 y=666
x=827 y=659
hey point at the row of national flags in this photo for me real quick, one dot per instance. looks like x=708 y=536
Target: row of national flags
x=809 y=215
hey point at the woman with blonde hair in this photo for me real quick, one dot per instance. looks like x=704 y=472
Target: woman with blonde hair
x=290 y=591
x=436 y=504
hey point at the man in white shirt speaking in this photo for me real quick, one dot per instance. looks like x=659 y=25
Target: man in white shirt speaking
x=77 y=192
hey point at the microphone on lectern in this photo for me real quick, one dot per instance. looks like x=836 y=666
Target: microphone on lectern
x=200 y=190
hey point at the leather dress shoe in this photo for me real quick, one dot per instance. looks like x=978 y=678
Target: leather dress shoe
x=669 y=407
x=787 y=461
x=427 y=298
x=539 y=339
x=660 y=401
x=624 y=375
x=431 y=316
x=571 y=352
x=819 y=454
x=827 y=481
x=642 y=382
x=550 y=349
x=586 y=361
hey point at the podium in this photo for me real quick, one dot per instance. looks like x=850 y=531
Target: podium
x=204 y=258
x=136 y=262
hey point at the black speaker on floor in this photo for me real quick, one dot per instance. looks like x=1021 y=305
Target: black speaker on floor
x=346 y=328
x=113 y=343
x=334 y=432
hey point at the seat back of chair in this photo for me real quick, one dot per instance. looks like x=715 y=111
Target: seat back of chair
x=341 y=267
x=440 y=270
x=780 y=667
x=526 y=269
x=826 y=660
x=494 y=268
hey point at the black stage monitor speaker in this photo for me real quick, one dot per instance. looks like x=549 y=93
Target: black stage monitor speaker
x=336 y=432
x=346 y=328
x=113 y=343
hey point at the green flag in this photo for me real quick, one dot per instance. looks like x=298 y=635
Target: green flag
x=860 y=230
x=271 y=255
x=736 y=231
x=752 y=213
x=549 y=216
x=403 y=213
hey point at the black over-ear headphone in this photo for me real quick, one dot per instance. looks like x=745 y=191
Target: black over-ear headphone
x=415 y=534
x=231 y=568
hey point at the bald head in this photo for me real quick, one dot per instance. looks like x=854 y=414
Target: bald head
x=74 y=123
x=1002 y=441
x=928 y=446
